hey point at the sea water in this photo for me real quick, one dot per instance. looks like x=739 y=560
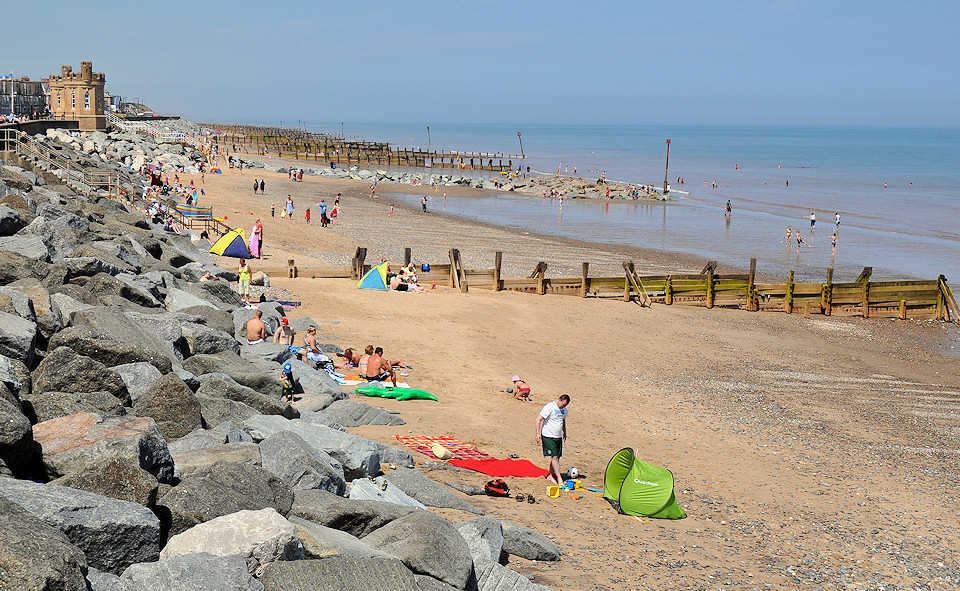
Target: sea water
x=897 y=190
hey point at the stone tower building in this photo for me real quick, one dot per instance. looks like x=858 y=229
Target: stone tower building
x=79 y=96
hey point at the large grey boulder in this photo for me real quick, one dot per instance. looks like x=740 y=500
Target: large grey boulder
x=101 y=581
x=112 y=534
x=42 y=406
x=300 y=465
x=350 y=413
x=319 y=418
x=32 y=247
x=484 y=536
x=272 y=352
x=219 y=410
x=238 y=452
x=16 y=434
x=192 y=572
x=48 y=317
x=138 y=377
x=233 y=433
x=222 y=489
x=10 y=221
x=108 y=336
x=428 y=492
x=35 y=556
x=15 y=375
x=172 y=405
x=223 y=387
x=204 y=340
x=119 y=478
x=526 y=543
x=262 y=378
x=358 y=456
x=64 y=306
x=14 y=266
x=259 y=537
x=379 y=490
x=60 y=218
x=428 y=545
x=320 y=541
x=492 y=576
x=90 y=266
x=72 y=442
x=18 y=337
x=357 y=518
x=197 y=439
x=178 y=299
x=339 y=573
x=65 y=370
x=219 y=292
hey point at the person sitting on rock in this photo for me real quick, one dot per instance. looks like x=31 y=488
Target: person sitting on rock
x=256 y=329
x=285 y=334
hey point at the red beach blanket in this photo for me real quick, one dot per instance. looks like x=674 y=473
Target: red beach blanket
x=459 y=449
x=502 y=467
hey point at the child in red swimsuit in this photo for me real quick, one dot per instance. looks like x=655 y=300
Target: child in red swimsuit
x=521 y=390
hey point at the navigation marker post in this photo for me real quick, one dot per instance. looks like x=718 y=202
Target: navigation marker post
x=666 y=168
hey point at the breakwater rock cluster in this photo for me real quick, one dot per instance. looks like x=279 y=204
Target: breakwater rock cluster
x=121 y=152
x=568 y=187
x=144 y=443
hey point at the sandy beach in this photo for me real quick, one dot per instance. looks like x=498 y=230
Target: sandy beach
x=816 y=453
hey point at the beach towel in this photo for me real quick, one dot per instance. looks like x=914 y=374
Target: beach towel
x=459 y=449
x=493 y=467
x=347 y=381
x=395 y=393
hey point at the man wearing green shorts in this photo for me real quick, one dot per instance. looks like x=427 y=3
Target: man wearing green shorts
x=551 y=433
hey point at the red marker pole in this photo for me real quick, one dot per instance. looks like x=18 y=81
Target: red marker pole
x=666 y=169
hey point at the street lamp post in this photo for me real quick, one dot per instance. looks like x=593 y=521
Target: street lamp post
x=666 y=168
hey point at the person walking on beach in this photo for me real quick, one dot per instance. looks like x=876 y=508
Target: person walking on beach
x=833 y=243
x=308 y=216
x=273 y=209
x=813 y=220
x=262 y=185
x=391 y=211
x=289 y=207
x=836 y=218
x=243 y=284
x=789 y=235
x=801 y=241
x=423 y=203
x=728 y=209
x=551 y=433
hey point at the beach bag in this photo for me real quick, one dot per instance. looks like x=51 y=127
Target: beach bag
x=424 y=267
x=440 y=452
x=497 y=488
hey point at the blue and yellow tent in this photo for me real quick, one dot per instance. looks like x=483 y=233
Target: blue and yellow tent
x=375 y=278
x=232 y=244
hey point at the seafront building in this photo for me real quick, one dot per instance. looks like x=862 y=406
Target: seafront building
x=22 y=96
x=79 y=96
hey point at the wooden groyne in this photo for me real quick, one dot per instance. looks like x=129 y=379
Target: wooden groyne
x=919 y=299
x=320 y=147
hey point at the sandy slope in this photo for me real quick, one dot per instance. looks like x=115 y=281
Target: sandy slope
x=817 y=453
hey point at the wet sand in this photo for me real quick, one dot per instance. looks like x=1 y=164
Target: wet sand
x=812 y=453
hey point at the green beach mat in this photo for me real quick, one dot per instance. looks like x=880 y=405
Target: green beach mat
x=396 y=393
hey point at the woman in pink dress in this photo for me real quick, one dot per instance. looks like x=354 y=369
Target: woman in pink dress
x=255 y=239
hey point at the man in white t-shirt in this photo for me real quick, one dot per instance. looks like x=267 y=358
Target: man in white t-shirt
x=551 y=433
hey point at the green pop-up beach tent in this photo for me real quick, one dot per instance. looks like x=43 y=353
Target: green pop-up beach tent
x=637 y=488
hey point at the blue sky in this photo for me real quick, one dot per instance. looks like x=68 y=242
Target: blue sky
x=811 y=62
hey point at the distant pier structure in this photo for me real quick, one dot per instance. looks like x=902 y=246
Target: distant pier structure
x=79 y=96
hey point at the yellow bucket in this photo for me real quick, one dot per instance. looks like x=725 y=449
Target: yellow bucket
x=553 y=492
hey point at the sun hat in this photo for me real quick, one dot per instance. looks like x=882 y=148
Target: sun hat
x=287 y=367
x=285 y=321
x=515 y=378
